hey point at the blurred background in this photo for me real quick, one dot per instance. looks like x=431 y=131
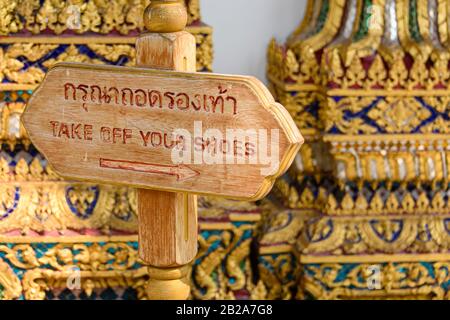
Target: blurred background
x=243 y=29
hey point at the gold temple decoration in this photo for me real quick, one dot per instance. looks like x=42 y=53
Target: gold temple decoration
x=367 y=81
x=52 y=229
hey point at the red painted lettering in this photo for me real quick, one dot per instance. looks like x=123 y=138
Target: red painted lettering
x=54 y=127
x=75 y=132
x=88 y=132
x=105 y=134
x=64 y=130
x=145 y=137
x=127 y=134
x=156 y=136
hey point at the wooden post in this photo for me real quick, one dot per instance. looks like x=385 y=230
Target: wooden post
x=167 y=221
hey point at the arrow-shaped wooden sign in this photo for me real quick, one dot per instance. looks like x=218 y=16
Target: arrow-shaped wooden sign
x=173 y=131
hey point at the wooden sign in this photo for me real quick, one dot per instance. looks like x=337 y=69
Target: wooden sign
x=172 y=131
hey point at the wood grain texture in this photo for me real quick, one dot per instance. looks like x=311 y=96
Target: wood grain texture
x=170 y=51
x=167 y=228
x=131 y=138
x=168 y=283
x=165 y=16
x=167 y=221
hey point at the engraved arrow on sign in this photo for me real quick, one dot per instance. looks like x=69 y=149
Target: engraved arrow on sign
x=182 y=172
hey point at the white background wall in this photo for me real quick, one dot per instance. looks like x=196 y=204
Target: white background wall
x=243 y=29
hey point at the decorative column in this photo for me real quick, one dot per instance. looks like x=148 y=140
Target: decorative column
x=372 y=219
x=50 y=227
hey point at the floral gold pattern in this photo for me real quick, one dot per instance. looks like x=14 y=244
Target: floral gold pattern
x=370 y=186
x=50 y=227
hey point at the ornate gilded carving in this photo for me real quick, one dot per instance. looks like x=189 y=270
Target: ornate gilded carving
x=374 y=97
x=42 y=267
x=402 y=280
x=50 y=226
x=374 y=235
x=79 y=17
x=10 y=286
x=38 y=267
x=34 y=199
x=29 y=69
x=277 y=274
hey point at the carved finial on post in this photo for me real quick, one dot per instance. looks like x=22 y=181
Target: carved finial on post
x=165 y=45
x=164 y=16
x=167 y=221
